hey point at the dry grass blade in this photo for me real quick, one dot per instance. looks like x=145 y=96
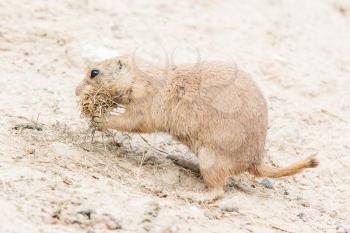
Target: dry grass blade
x=178 y=160
x=96 y=102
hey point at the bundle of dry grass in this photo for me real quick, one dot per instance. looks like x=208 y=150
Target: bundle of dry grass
x=96 y=102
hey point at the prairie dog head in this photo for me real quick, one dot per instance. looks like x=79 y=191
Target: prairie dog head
x=117 y=75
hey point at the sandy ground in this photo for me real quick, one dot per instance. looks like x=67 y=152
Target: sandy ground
x=54 y=179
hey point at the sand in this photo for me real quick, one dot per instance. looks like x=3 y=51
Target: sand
x=54 y=179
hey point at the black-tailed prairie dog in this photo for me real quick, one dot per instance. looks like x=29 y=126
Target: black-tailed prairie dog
x=214 y=108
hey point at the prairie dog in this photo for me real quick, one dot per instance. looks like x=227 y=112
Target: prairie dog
x=214 y=108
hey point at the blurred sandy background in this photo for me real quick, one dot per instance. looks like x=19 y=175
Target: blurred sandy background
x=54 y=180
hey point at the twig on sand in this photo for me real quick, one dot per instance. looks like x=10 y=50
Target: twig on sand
x=34 y=125
x=178 y=160
x=184 y=163
x=139 y=170
x=280 y=229
x=152 y=147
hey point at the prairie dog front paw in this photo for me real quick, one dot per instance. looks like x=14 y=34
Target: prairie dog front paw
x=98 y=122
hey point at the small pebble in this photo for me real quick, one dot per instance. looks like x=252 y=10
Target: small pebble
x=152 y=160
x=67 y=181
x=86 y=213
x=56 y=214
x=333 y=213
x=301 y=215
x=146 y=219
x=305 y=204
x=267 y=183
x=111 y=223
x=30 y=150
x=215 y=214
x=172 y=229
x=153 y=210
x=342 y=228
x=147 y=227
x=228 y=208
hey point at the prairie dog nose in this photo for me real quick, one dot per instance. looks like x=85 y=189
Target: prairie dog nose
x=79 y=88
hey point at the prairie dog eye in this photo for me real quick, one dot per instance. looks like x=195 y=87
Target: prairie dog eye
x=94 y=73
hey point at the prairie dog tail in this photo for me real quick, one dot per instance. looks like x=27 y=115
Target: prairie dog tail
x=274 y=172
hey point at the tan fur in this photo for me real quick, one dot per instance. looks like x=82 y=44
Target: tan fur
x=213 y=108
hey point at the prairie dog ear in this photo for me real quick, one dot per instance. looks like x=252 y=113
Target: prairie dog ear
x=118 y=69
x=120 y=65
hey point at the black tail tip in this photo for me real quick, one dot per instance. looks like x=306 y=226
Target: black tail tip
x=313 y=162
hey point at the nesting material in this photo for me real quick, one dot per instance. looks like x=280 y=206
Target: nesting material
x=96 y=102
